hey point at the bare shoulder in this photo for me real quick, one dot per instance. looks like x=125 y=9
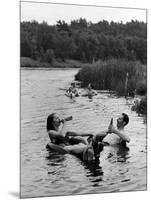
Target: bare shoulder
x=52 y=132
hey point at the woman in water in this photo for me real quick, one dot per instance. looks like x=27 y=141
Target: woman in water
x=65 y=141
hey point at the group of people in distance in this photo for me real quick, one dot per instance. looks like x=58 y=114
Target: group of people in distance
x=85 y=145
x=72 y=91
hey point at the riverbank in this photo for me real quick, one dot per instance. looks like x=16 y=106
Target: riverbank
x=29 y=62
x=124 y=77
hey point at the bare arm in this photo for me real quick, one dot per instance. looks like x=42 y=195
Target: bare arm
x=121 y=135
x=63 y=131
x=61 y=134
x=71 y=133
x=95 y=92
x=118 y=132
x=101 y=135
x=55 y=134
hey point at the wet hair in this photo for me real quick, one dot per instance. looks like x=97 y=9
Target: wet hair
x=125 y=118
x=50 y=125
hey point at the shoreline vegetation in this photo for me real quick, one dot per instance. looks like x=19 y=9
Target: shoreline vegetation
x=31 y=63
x=111 y=56
x=125 y=78
x=109 y=75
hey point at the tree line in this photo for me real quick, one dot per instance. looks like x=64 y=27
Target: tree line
x=84 y=41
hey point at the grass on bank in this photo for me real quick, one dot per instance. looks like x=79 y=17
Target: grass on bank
x=111 y=75
x=140 y=106
x=108 y=75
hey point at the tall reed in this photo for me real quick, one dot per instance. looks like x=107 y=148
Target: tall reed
x=111 y=75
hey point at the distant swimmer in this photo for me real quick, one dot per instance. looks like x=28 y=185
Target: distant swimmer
x=90 y=92
x=72 y=91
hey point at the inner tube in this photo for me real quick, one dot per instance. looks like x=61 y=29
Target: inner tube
x=57 y=148
x=71 y=95
x=87 y=155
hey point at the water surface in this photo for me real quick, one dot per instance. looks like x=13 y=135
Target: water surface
x=45 y=173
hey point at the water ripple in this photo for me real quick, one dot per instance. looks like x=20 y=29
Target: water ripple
x=45 y=173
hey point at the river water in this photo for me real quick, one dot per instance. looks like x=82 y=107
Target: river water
x=45 y=173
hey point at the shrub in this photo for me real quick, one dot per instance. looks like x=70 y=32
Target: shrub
x=141 y=88
x=140 y=106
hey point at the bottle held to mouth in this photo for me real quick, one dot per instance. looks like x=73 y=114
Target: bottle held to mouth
x=110 y=126
x=66 y=119
x=111 y=122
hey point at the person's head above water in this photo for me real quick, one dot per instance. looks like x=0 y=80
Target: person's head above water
x=73 y=84
x=122 y=120
x=53 y=121
x=125 y=118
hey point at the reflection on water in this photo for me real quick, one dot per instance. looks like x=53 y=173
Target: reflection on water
x=118 y=154
x=45 y=173
x=95 y=172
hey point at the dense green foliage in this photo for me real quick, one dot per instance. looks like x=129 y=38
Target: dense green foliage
x=111 y=75
x=84 y=41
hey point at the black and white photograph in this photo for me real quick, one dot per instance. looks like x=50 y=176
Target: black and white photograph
x=83 y=99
